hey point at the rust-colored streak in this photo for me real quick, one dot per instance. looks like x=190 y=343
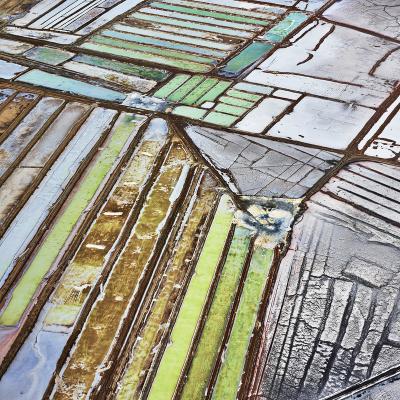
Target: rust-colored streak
x=167 y=297
x=15 y=6
x=102 y=325
x=89 y=260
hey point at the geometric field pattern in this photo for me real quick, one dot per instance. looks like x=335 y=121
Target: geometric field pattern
x=199 y=199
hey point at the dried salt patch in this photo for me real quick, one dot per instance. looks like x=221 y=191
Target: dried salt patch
x=208 y=104
x=113 y=213
x=81 y=288
x=285 y=94
x=96 y=246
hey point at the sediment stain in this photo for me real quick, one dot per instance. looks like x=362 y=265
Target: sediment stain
x=108 y=312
